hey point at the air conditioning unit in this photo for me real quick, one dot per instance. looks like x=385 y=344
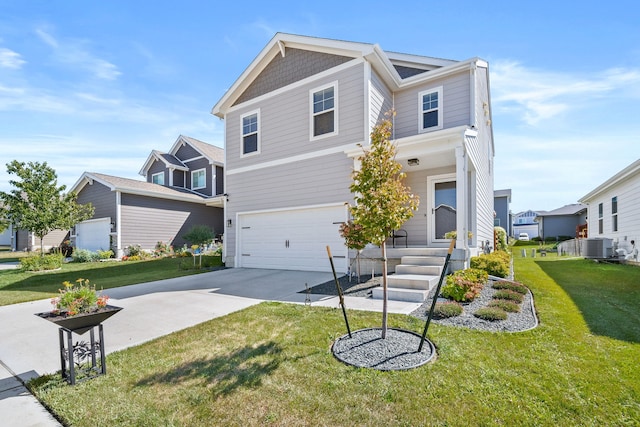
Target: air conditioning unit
x=597 y=248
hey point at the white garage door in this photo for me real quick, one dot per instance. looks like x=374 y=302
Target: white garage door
x=293 y=239
x=93 y=234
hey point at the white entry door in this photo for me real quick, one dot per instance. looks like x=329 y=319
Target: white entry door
x=294 y=239
x=93 y=235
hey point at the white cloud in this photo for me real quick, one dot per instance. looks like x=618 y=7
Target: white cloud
x=537 y=95
x=76 y=53
x=10 y=59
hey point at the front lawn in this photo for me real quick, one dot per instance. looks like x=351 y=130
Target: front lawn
x=271 y=364
x=18 y=286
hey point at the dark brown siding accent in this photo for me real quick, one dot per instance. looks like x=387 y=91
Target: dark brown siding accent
x=296 y=65
x=147 y=221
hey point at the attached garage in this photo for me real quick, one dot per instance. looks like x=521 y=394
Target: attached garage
x=93 y=235
x=294 y=239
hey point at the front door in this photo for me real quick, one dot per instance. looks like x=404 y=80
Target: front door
x=443 y=208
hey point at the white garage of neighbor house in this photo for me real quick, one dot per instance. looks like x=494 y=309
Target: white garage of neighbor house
x=292 y=238
x=93 y=234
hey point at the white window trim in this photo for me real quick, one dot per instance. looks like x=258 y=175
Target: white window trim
x=333 y=84
x=253 y=153
x=158 y=174
x=203 y=170
x=440 y=110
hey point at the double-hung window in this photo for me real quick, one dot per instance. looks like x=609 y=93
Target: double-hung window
x=323 y=111
x=250 y=133
x=430 y=110
x=614 y=214
x=198 y=179
x=600 y=218
x=158 y=178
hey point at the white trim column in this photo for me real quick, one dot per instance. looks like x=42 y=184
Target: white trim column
x=119 y=250
x=462 y=191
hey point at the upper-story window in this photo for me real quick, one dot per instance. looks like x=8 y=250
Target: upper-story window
x=198 y=179
x=250 y=133
x=600 y=218
x=614 y=213
x=158 y=178
x=430 y=110
x=323 y=111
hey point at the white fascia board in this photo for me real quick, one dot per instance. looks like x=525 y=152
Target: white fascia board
x=440 y=72
x=84 y=179
x=628 y=172
x=413 y=60
x=179 y=197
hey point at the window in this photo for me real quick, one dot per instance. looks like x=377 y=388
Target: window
x=198 y=179
x=323 y=111
x=158 y=178
x=600 y=218
x=250 y=139
x=430 y=110
x=614 y=213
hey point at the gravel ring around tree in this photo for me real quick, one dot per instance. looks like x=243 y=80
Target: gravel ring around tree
x=365 y=348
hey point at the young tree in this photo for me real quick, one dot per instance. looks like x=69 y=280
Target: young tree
x=382 y=202
x=37 y=204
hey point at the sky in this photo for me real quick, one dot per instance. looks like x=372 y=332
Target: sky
x=95 y=86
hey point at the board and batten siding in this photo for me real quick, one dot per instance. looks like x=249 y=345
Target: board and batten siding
x=312 y=182
x=456 y=95
x=102 y=199
x=285 y=119
x=146 y=220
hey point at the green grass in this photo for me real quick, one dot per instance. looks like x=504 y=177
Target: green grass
x=271 y=364
x=17 y=286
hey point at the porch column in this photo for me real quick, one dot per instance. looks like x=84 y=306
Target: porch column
x=462 y=199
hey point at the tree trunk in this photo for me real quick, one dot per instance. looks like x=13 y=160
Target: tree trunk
x=384 y=290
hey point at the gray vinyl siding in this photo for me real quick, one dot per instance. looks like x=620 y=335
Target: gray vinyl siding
x=157 y=167
x=456 y=105
x=187 y=152
x=179 y=178
x=102 y=199
x=381 y=100
x=147 y=221
x=285 y=121
x=219 y=180
x=296 y=65
x=310 y=182
x=53 y=239
x=561 y=225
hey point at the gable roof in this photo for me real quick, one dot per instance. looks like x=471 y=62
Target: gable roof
x=384 y=62
x=214 y=154
x=627 y=173
x=572 y=209
x=143 y=188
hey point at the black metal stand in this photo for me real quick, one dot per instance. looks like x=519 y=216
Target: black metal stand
x=81 y=361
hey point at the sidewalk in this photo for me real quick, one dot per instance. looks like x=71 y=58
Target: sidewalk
x=29 y=345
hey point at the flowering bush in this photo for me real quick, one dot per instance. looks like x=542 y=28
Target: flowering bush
x=464 y=285
x=78 y=297
x=353 y=235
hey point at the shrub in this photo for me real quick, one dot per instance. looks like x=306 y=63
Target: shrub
x=491 y=314
x=464 y=285
x=85 y=255
x=501 y=239
x=105 y=254
x=506 y=305
x=162 y=249
x=205 y=261
x=512 y=286
x=199 y=235
x=41 y=263
x=496 y=263
x=447 y=309
x=509 y=295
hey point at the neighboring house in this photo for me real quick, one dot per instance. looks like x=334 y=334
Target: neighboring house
x=525 y=222
x=294 y=120
x=501 y=201
x=562 y=223
x=614 y=208
x=183 y=188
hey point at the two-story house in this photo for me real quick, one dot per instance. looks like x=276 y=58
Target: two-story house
x=294 y=119
x=183 y=187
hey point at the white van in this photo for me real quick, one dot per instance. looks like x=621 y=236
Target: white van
x=524 y=237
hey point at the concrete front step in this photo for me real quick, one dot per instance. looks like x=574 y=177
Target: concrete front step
x=422 y=260
x=427 y=270
x=401 y=294
x=412 y=281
